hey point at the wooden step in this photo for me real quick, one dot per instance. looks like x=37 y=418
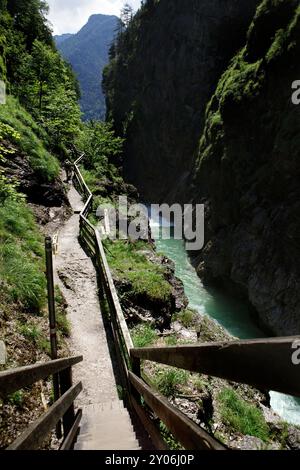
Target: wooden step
x=106 y=426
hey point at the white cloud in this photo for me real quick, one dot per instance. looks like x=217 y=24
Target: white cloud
x=68 y=16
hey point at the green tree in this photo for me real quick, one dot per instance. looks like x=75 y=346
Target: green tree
x=29 y=17
x=100 y=144
x=41 y=72
x=62 y=117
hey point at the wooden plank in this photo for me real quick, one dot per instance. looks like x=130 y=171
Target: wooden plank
x=36 y=433
x=87 y=206
x=262 y=363
x=89 y=232
x=82 y=182
x=86 y=234
x=13 y=380
x=149 y=426
x=191 y=436
x=69 y=440
x=66 y=382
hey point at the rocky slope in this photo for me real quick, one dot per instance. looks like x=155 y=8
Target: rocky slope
x=165 y=68
x=248 y=171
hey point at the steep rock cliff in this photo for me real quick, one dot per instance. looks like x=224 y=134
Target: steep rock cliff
x=162 y=73
x=248 y=171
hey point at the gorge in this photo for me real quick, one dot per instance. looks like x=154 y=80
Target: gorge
x=201 y=108
x=227 y=135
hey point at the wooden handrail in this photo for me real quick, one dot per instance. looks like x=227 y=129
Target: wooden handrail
x=263 y=363
x=93 y=239
x=190 y=435
x=36 y=433
x=15 y=379
x=115 y=299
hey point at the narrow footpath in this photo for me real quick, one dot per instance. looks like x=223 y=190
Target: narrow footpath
x=106 y=423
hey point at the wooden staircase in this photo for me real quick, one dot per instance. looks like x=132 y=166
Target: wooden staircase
x=106 y=426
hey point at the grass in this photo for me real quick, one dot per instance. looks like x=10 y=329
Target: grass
x=32 y=139
x=33 y=334
x=30 y=332
x=146 y=278
x=187 y=318
x=21 y=257
x=171 y=340
x=242 y=416
x=63 y=324
x=143 y=335
x=168 y=380
x=200 y=383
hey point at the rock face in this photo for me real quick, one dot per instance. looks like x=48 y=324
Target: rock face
x=41 y=192
x=165 y=69
x=248 y=172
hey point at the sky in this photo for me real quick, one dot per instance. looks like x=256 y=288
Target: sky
x=68 y=16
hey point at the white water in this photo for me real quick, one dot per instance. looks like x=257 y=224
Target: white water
x=233 y=315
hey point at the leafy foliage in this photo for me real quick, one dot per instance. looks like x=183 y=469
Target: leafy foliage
x=100 y=145
x=7 y=187
x=36 y=73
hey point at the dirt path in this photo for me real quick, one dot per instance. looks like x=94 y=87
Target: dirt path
x=76 y=276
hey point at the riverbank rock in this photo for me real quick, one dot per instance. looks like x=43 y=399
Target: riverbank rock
x=293 y=438
x=252 y=443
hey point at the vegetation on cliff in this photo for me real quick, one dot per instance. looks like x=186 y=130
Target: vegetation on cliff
x=248 y=170
x=37 y=124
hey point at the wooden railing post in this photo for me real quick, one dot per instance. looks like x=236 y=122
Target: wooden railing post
x=52 y=319
x=136 y=370
x=65 y=384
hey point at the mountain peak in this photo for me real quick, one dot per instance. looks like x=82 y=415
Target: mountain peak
x=87 y=52
x=100 y=16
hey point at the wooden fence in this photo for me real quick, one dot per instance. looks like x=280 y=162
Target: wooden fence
x=34 y=436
